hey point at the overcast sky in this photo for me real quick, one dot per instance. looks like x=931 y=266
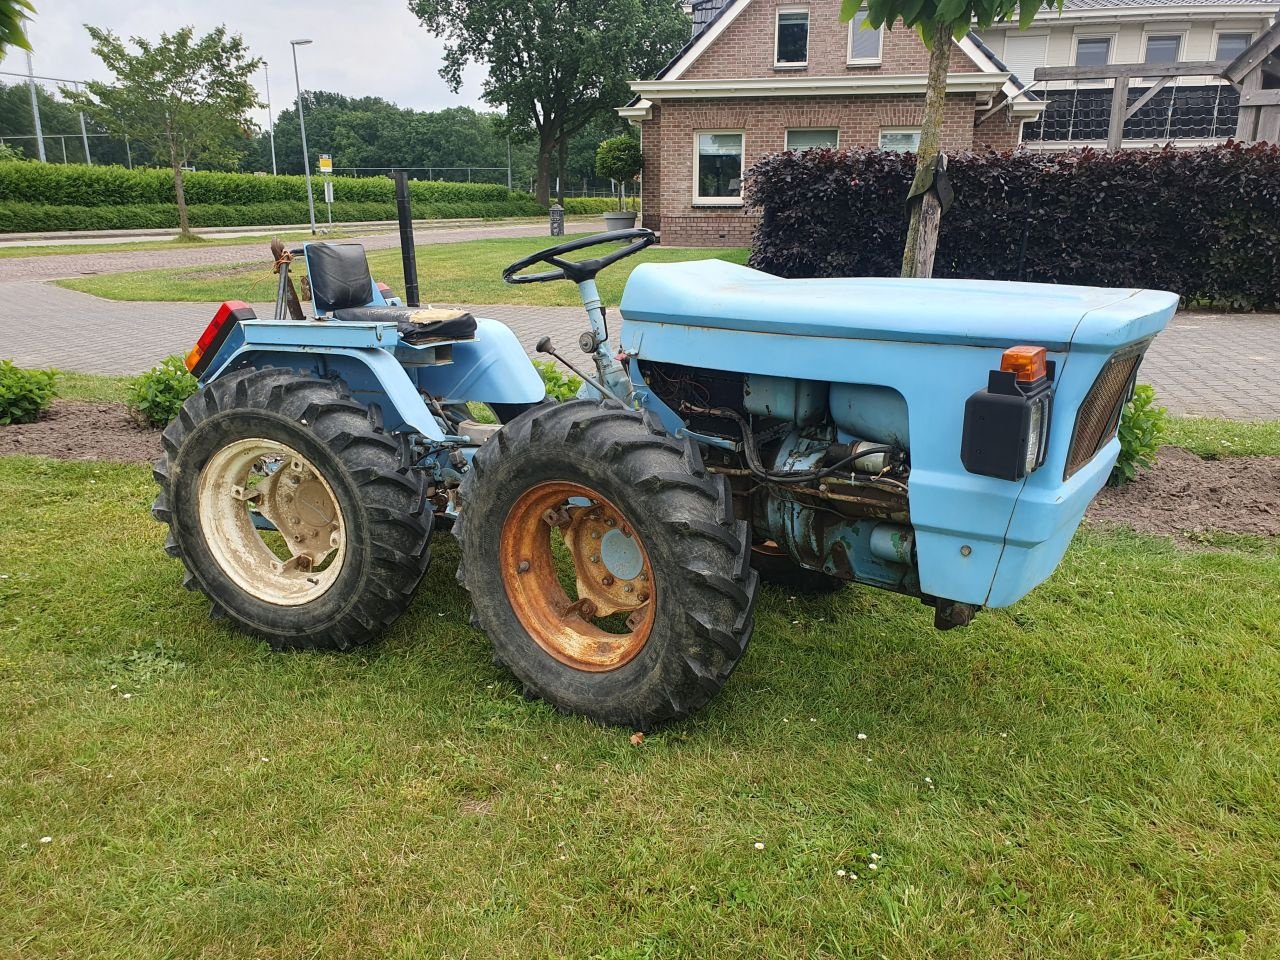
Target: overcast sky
x=361 y=48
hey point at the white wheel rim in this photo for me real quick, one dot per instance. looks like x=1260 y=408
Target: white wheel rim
x=287 y=489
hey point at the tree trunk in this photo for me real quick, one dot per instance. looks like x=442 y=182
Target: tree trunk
x=561 y=168
x=922 y=233
x=184 y=223
x=546 y=153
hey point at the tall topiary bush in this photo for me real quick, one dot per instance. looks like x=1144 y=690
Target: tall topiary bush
x=619 y=158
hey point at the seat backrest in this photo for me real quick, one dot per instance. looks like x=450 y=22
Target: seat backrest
x=339 y=274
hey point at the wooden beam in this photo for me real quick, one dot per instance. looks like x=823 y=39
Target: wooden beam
x=1115 y=71
x=1142 y=100
x=1260 y=98
x=1119 y=99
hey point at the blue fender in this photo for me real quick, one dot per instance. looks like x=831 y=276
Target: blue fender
x=492 y=368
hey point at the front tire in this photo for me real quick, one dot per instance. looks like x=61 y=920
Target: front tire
x=605 y=564
x=272 y=448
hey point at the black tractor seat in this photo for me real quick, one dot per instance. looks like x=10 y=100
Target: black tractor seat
x=416 y=324
x=342 y=288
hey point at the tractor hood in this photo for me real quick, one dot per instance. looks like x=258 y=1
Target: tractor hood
x=720 y=295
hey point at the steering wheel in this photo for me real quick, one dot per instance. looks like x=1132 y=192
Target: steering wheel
x=579 y=270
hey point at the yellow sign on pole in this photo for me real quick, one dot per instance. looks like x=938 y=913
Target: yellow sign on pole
x=326 y=163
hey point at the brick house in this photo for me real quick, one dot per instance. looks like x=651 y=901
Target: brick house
x=761 y=76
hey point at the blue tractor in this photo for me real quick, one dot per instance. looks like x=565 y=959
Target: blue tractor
x=936 y=438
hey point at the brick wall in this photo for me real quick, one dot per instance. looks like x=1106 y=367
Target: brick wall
x=669 y=170
x=746 y=48
x=998 y=133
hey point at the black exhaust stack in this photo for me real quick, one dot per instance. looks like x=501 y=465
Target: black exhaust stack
x=407 y=253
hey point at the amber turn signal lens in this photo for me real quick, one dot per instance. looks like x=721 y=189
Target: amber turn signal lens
x=1027 y=364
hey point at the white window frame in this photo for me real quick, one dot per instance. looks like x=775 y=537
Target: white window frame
x=1111 y=38
x=790 y=130
x=700 y=201
x=777 y=27
x=853 y=61
x=1233 y=31
x=884 y=130
x=1182 y=43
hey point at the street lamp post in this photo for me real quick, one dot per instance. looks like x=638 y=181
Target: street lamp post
x=271 y=117
x=302 y=124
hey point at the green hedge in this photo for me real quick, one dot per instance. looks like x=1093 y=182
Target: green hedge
x=588 y=206
x=82 y=185
x=38 y=217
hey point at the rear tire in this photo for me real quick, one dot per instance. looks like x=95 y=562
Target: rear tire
x=648 y=532
x=352 y=536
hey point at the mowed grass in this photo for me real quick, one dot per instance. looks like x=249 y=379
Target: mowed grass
x=469 y=272
x=1093 y=773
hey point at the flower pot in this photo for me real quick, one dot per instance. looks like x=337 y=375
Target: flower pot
x=620 y=220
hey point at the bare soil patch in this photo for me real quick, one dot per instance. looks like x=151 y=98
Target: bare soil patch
x=73 y=430
x=1184 y=494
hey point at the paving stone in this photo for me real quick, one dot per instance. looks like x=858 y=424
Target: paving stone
x=1205 y=364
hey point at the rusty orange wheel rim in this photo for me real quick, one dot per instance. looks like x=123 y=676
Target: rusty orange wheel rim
x=578 y=576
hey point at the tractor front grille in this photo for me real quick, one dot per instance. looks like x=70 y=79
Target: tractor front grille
x=1099 y=415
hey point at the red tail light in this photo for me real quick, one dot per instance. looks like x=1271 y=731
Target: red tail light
x=215 y=335
x=385 y=291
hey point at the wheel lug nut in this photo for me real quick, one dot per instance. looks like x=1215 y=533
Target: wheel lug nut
x=595 y=534
x=522 y=566
x=607 y=581
x=628 y=588
x=610 y=522
x=594 y=558
x=643 y=598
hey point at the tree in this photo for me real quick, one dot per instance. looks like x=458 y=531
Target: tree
x=619 y=158
x=938 y=22
x=187 y=99
x=554 y=64
x=14 y=15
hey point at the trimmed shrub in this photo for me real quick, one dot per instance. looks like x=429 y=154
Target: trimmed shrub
x=34 y=217
x=156 y=396
x=82 y=185
x=24 y=394
x=1143 y=429
x=589 y=206
x=560 y=385
x=1204 y=223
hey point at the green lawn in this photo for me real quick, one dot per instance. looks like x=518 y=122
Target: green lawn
x=469 y=272
x=211 y=240
x=1093 y=773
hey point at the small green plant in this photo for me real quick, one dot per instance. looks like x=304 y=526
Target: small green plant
x=619 y=158
x=1143 y=428
x=24 y=394
x=156 y=396
x=559 y=385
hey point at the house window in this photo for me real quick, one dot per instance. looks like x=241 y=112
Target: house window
x=899 y=140
x=1163 y=49
x=1231 y=45
x=864 y=43
x=792 y=40
x=1024 y=52
x=720 y=158
x=1093 y=51
x=808 y=139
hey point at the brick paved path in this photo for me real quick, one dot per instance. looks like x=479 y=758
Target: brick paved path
x=1218 y=365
